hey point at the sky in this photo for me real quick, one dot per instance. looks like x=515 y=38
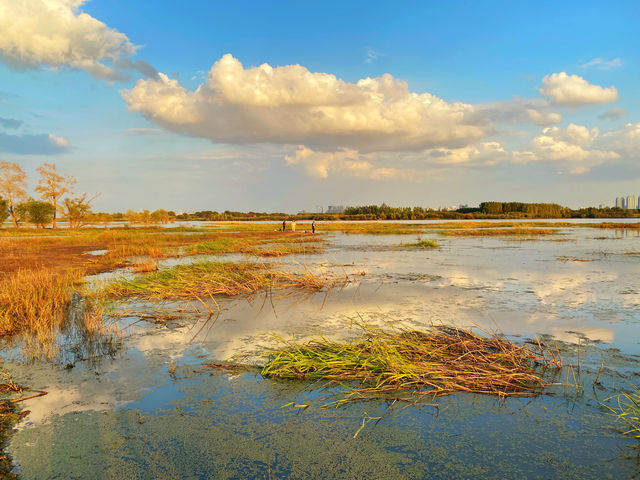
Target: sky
x=289 y=106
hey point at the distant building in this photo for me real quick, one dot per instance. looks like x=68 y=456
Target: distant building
x=335 y=209
x=620 y=202
x=631 y=202
x=601 y=206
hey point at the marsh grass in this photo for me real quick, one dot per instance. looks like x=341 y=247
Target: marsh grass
x=203 y=280
x=34 y=301
x=423 y=243
x=39 y=309
x=628 y=411
x=409 y=365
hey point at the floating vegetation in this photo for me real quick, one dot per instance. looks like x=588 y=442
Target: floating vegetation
x=574 y=259
x=411 y=365
x=423 y=243
x=206 y=279
x=287 y=249
x=628 y=411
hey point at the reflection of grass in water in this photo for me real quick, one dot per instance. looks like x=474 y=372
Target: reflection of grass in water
x=408 y=365
x=33 y=303
x=628 y=411
x=205 y=279
x=40 y=305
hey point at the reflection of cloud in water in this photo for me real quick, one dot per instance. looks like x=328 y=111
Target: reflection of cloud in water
x=573 y=334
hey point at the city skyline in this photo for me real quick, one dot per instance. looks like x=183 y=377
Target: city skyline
x=200 y=106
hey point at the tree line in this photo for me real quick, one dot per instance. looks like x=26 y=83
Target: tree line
x=56 y=197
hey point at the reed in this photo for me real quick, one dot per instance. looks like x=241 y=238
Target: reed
x=206 y=279
x=34 y=301
x=409 y=365
x=628 y=411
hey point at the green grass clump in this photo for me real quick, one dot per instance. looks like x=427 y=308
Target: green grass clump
x=628 y=411
x=409 y=364
x=422 y=243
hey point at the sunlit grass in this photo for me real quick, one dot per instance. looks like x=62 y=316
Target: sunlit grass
x=409 y=364
x=423 y=243
x=205 y=279
x=628 y=411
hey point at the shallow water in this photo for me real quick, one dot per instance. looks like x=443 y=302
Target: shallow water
x=153 y=411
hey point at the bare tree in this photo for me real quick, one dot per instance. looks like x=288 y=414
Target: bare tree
x=13 y=185
x=53 y=186
x=78 y=210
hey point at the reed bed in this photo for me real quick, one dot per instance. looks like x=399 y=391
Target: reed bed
x=34 y=301
x=205 y=279
x=35 y=304
x=410 y=365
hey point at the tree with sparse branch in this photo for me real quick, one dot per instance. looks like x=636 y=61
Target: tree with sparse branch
x=13 y=185
x=53 y=186
x=78 y=210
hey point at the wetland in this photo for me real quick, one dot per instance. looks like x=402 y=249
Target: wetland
x=232 y=350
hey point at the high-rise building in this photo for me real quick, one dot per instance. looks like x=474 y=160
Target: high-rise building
x=619 y=202
x=631 y=202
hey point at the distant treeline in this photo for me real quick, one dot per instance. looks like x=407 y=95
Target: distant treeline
x=32 y=211
x=384 y=212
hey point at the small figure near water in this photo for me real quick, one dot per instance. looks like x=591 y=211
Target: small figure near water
x=284 y=225
x=313 y=227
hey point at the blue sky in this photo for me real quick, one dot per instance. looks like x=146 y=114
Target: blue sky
x=528 y=101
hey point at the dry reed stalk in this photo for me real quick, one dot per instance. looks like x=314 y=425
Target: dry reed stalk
x=393 y=364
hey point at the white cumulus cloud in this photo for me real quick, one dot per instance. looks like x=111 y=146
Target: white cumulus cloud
x=55 y=33
x=569 y=148
x=573 y=90
x=347 y=162
x=291 y=105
